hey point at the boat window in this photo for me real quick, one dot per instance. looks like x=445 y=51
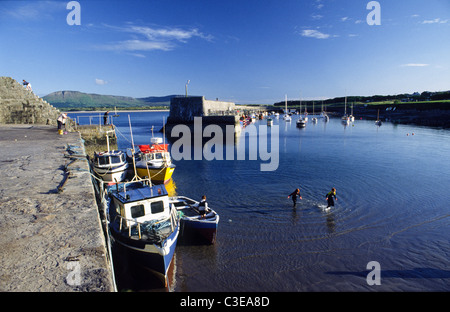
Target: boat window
x=137 y=211
x=103 y=160
x=158 y=156
x=157 y=207
x=115 y=160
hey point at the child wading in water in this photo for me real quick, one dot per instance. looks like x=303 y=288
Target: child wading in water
x=330 y=196
x=294 y=196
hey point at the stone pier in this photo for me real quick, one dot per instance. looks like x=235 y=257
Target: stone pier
x=52 y=238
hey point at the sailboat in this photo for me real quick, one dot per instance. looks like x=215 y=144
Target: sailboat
x=314 y=119
x=351 y=117
x=115 y=112
x=345 y=119
x=305 y=117
x=286 y=115
x=324 y=115
x=378 y=121
x=301 y=123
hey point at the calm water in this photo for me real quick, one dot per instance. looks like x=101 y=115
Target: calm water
x=392 y=208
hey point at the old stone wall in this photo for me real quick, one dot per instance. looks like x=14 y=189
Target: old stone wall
x=184 y=109
x=21 y=106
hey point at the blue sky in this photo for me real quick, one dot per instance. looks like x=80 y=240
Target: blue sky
x=243 y=51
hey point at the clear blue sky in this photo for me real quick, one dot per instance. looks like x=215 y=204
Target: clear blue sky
x=243 y=51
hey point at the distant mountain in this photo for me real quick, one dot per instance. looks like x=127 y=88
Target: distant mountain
x=71 y=100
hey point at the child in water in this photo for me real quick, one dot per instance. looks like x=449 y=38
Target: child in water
x=330 y=196
x=294 y=196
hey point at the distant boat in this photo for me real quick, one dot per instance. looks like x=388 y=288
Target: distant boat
x=286 y=115
x=351 y=117
x=345 y=119
x=305 y=118
x=301 y=123
x=378 y=121
x=324 y=115
x=314 y=119
x=115 y=112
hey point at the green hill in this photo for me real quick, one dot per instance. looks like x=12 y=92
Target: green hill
x=75 y=100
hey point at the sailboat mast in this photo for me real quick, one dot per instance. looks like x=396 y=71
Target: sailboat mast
x=285 y=103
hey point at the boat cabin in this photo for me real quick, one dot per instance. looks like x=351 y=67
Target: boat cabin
x=156 y=154
x=138 y=204
x=108 y=159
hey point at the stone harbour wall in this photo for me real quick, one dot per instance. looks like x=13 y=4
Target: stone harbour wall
x=21 y=106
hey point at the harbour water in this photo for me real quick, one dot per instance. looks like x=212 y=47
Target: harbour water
x=392 y=186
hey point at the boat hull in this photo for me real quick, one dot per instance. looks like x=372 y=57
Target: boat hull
x=199 y=232
x=114 y=174
x=157 y=175
x=146 y=254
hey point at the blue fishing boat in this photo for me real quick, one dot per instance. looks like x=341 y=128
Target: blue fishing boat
x=195 y=228
x=143 y=224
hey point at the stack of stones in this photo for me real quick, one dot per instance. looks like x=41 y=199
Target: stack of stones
x=21 y=106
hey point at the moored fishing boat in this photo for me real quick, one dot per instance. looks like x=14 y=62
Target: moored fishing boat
x=154 y=161
x=143 y=225
x=110 y=166
x=194 y=227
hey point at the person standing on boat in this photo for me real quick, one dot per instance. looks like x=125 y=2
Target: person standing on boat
x=330 y=196
x=294 y=196
x=202 y=206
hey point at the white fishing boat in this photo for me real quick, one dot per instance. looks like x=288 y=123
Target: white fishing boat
x=110 y=166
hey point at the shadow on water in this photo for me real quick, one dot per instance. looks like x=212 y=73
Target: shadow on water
x=414 y=273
